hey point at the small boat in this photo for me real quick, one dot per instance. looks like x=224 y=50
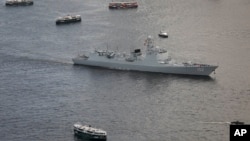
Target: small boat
x=88 y=132
x=237 y=123
x=163 y=34
x=18 y=2
x=68 y=19
x=122 y=5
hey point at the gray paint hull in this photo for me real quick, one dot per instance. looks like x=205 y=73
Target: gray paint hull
x=146 y=67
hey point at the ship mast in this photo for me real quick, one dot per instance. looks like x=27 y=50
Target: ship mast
x=151 y=53
x=150 y=45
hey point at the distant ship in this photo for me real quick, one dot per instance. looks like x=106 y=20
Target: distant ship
x=148 y=62
x=88 y=132
x=18 y=2
x=122 y=5
x=237 y=123
x=68 y=19
x=163 y=34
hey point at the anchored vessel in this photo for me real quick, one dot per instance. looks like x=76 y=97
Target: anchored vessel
x=138 y=62
x=18 y=2
x=88 y=132
x=237 y=123
x=122 y=5
x=68 y=19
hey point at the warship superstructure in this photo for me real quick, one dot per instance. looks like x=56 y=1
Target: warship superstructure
x=148 y=62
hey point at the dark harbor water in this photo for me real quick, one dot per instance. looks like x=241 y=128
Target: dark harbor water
x=42 y=94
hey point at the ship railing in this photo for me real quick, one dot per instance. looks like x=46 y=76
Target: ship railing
x=190 y=64
x=130 y=59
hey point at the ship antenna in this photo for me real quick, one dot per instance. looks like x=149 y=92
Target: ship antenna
x=149 y=43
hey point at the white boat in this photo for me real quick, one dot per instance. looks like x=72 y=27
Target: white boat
x=137 y=61
x=88 y=132
x=163 y=34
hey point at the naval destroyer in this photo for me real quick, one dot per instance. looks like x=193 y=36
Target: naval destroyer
x=147 y=62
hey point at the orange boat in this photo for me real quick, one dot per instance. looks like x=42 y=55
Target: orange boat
x=122 y=5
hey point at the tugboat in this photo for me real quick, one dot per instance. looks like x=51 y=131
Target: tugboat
x=237 y=123
x=88 y=132
x=149 y=62
x=163 y=34
x=122 y=5
x=18 y=2
x=68 y=19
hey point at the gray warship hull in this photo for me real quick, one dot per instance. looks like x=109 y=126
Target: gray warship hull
x=137 y=62
x=203 y=70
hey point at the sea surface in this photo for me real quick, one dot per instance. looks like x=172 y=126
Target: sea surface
x=42 y=94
